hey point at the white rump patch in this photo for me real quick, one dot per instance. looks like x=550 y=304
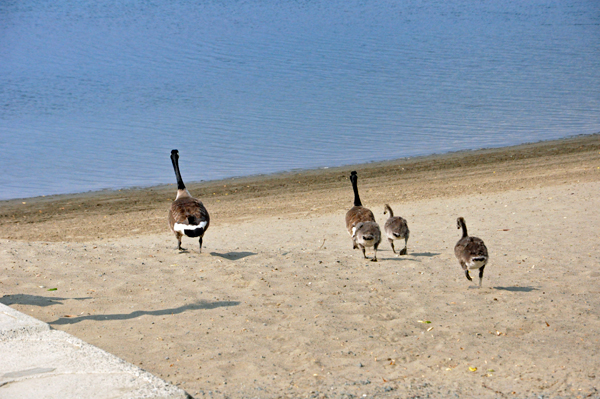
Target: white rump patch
x=476 y=264
x=180 y=227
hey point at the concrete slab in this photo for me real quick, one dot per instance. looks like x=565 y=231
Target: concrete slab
x=38 y=362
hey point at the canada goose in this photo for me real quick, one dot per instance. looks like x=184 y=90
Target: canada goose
x=396 y=228
x=471 y=252
x=360 y=223
x=187 y=215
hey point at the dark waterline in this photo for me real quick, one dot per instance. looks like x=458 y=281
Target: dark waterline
x=95 y=94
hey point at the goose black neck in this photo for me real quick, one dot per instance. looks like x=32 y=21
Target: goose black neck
x=354 y=180
x=463 y=225
x=389 y=209
x=175 y=160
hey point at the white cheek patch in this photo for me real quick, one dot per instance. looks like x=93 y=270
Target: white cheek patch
x=180 y=227
x=353 y=232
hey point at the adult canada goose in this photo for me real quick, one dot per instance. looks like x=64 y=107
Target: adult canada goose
x=360 y=223
x=187 y=215
x=396 y=228
x=471 y=252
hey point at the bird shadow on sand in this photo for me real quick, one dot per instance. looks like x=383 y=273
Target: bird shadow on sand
x=427 y=254
x=233 y=255
x=409 y=256
x=516 y=289
x=201 y=305
x=398 y=258
x=36 y=300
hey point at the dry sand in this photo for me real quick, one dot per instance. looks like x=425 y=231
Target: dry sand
x=279 y=305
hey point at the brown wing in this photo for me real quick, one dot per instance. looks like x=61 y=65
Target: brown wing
x=476 y=247
x=356 y=215
x=188 y=210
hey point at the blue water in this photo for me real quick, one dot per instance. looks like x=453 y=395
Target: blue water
x=94 y=94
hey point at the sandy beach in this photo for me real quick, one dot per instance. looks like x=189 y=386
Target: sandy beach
x=278 y=304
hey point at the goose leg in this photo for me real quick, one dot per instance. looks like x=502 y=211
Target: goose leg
x=178 y=236
x=392 y=244
x=403 y=252
x=375 y=254
x=200 y=242
x=467 y=274
x=481 y=275
x=363 y=250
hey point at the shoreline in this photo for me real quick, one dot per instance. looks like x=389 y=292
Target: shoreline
x=52 y=218
x=257 y=177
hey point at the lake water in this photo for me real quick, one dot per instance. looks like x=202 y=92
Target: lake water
x=94 y=94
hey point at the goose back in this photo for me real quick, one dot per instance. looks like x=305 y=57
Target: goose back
x=188 y=215
x=358 y=214
x=367 y=233
x=472 y=252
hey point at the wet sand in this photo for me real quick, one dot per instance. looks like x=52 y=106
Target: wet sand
x=279 y=305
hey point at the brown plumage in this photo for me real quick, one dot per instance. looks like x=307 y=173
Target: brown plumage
x=471 y=252
x=396 y=228
x=361 y=224
x=187 y=215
